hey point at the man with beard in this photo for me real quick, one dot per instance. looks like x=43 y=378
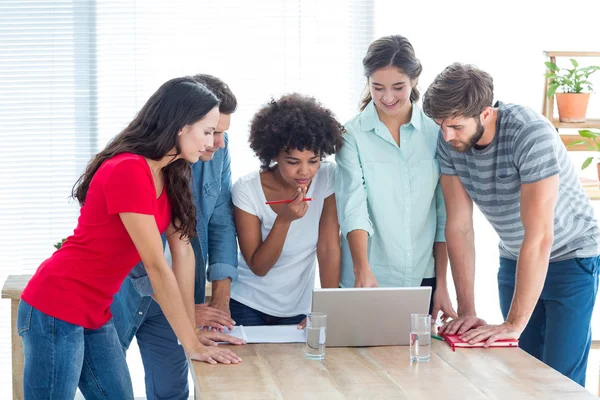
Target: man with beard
x=510 y=161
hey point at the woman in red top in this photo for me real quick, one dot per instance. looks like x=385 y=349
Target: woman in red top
x=131 y=192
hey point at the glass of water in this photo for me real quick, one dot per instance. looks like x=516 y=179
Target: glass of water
x=420 y=337
x=316 y=324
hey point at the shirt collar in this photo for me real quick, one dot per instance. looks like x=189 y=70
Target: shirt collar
x=369 y=117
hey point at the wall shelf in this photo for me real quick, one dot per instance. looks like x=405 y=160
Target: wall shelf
x=589 y=123
x=548 y=105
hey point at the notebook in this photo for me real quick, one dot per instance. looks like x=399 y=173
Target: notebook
x=454 y=341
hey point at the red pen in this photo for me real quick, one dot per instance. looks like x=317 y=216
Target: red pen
x=287 y=201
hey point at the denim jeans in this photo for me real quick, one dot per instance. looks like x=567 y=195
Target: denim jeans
x=60 y=356
x=165 y=363
x=248 y=316
x=559 y=331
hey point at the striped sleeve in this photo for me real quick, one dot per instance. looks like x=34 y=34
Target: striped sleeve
x=536 y=153
x=444 y=157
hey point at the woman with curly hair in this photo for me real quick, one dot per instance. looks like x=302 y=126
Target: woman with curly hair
x=280 y=243
x=131 y=192
x=391 y=208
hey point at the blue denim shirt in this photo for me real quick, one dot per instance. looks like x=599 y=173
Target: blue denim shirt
x=216 y=243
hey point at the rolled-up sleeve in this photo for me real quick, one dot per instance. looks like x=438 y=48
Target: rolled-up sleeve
x=351 y=196
x=220 y=271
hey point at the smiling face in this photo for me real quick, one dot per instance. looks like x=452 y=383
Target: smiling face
x=390 y=89
x=297 y=168
x=194 y=139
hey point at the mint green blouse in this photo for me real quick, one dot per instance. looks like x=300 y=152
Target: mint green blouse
x=393 y=193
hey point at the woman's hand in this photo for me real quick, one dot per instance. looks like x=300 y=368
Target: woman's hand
x=212 y=337
x=294 y=210
x=302 y=324
x=364 y=278
x=213 y=355
x=441 y=302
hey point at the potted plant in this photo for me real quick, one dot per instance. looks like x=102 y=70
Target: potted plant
x=573 y=88
x=587 y=134
x=58 y=245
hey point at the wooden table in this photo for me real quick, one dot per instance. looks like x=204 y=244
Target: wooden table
x=275 y=371
x=280 y=371
x=13 y=287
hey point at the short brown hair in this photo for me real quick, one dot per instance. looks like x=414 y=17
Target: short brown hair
x=228 y=101
x=460 y=90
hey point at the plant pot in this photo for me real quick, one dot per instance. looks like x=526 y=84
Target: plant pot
x=572 y=107
x=598 y=168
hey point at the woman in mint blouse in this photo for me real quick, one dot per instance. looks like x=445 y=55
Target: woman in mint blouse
x=390 y=205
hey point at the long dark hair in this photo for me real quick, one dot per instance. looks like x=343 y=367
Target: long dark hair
x=152 y=134
x=394 y=51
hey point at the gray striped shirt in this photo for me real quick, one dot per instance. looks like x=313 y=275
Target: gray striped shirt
x=525 y=149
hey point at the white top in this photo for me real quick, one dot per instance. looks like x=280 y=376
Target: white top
x=286 y=290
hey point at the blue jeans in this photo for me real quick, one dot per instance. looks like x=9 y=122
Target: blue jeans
x=60 y=356
x=248 y=316
x=559 y=331
x=165 y=364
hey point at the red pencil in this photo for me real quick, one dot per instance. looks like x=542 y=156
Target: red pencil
x=287 y=201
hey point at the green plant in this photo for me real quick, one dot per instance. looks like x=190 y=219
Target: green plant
x=58 y=245
x=587 y=135
x=569 y=80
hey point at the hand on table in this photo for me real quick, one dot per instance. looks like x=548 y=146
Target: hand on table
x=213 y=317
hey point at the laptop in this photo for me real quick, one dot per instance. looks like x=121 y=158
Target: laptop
x=360 y=317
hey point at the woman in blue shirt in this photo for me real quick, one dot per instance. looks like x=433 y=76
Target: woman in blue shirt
x=390 y=205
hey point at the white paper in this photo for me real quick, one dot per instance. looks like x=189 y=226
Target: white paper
x=269 y=333
x=238 y=332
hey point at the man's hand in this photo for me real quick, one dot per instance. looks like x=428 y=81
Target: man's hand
x=462 y=324
x=302 y=324
x=212 y=317
x=221 y=293
x=441 y=302
x=492 y=333
x=221 y=305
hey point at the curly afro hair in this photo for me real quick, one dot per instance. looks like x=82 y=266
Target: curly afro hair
x=294 y=122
